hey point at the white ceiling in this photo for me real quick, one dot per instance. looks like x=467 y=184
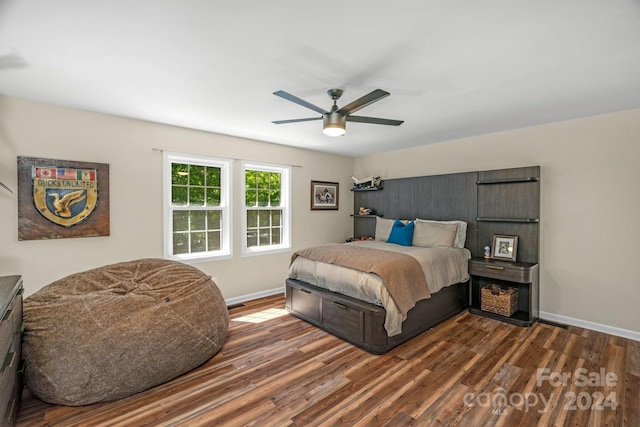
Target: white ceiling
x=455 y=68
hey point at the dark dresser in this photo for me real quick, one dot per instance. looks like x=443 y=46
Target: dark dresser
x=10 y=348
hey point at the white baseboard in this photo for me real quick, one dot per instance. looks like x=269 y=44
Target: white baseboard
x=249 y=297
x=612 y=330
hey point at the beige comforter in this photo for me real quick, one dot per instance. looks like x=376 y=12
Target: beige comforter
x=441 y=267
x=402 y=275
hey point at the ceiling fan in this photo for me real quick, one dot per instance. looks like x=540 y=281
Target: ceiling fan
x=334 y=121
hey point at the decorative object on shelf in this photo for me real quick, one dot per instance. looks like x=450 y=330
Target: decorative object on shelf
x=500 y=301
x=487 y=252
x=324 y=195
x=505 y=247
x=359 y=239
x=60 y=199
x=364 y=211
x=369 y=183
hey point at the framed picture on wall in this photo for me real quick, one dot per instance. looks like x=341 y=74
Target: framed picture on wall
x=59 y=199
x=324 y=195
x=505 y=247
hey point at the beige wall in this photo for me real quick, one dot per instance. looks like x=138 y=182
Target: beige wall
x=590 y=205
x=40 y=130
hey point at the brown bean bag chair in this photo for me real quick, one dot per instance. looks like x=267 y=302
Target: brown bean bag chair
x=113 y=331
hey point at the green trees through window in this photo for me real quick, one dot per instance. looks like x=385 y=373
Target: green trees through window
x=197 y=202
x=195 y=229
x=263 y=191
x=198 y=214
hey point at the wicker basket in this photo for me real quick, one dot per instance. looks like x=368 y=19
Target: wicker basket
x=500 y=301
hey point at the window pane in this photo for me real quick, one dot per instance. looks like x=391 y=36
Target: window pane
x=197 y=220
x=263 y=197
x=252 y=238
x=264 y=219
x=263 y=180
x=179 y=173
x=251 y=198
x=198 y=242
x=196 y=196
x=196 y=175
x=213 y=197
x=180 y=220
x=214 y=220
x=252 y=219
x=179 y=196
x=274 y=178
x=276 y=218
x=180 y=243
x=213 y=177
x=276 y=236
x=250 y=179
x=275 y=198
x=265 y=237
x=213 y=243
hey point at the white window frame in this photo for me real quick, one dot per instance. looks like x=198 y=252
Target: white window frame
x=226 y=246
x=285 y=206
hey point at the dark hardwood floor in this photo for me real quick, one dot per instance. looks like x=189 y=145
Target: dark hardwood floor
x=276 y=370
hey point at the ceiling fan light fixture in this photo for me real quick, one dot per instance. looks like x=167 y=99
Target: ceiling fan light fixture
x=334 y=124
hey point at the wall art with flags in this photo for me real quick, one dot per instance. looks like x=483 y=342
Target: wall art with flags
x=60 y=199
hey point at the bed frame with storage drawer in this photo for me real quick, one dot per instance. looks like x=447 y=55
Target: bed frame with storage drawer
x=361 y=323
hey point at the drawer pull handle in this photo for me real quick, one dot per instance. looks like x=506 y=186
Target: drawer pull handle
x=495 y=267
x=337 y=304
x=8 y=360
x=304 y=291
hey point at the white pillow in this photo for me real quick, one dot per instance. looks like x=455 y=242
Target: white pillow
x=383 y=227
x=461 y=235
x=434 y=234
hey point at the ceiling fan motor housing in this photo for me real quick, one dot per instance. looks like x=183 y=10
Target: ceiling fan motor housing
x=334 y=120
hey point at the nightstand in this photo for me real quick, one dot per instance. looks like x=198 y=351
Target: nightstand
x=522 y=276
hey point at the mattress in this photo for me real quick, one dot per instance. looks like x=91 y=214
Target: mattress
x=441 y=266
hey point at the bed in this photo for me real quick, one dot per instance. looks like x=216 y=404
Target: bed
x=377 y=294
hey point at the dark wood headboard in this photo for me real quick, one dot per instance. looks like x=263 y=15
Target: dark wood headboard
x=503 y=201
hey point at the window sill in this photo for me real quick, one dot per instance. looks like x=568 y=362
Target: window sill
x=192 y=259
x=249 y=252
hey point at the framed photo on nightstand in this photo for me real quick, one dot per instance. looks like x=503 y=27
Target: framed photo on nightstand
x=505 y=247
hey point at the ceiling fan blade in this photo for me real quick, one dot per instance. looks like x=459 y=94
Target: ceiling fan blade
x=359 y=103
x=299 y=101
x=374 y=120
x=281 y=122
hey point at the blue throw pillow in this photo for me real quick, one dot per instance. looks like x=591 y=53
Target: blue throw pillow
x=401 y=234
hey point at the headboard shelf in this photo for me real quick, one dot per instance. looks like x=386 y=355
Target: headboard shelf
x=366 y=189
x=507 y=180
x=523 y=220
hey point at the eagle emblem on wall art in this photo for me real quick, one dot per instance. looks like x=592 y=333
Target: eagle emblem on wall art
x=65 y=196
